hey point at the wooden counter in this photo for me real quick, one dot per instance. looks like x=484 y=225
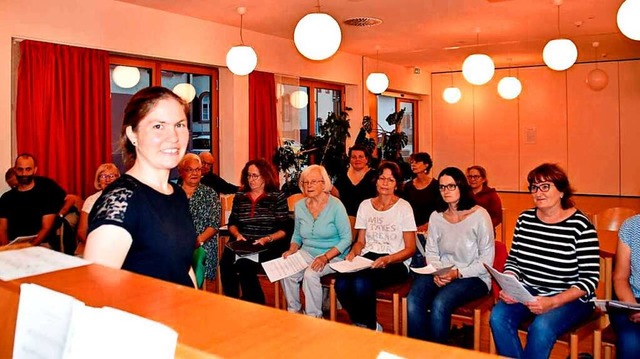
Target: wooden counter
x=214 y=324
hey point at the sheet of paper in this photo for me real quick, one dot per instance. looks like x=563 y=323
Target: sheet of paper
x=511 y=285
x=430 y=269
x=387 y=355
x=358 y=263
x=252 y=257
x=44 y=317
x=111 y=333
x=616 y=305
x=31 y=261
x=279 y=268
x=23 y=239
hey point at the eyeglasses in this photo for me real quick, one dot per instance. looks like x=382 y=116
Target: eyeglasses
x=105 y=176
x=544 y=187
x=207 y=163
x=448 y=187
x=473 y=177
x=192 y=170
x=386 y=179
x=252 y=176
x=312 y=182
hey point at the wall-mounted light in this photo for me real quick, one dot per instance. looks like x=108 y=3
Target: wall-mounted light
x=126 y=77
x=241 y=59
x=317 y=35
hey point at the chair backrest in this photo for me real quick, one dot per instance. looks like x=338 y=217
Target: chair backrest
x=611 y=218
x=499 y=261
x=293 y=199
x=226 y=202
x=198 y=265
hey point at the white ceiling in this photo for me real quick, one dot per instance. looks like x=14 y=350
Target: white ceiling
x=435 y=35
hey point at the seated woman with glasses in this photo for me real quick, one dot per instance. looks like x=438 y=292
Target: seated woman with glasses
x=626 y=282
x=105 y=174
x=460 y=236
x=484 y=195
x=387 y=236
x=555 y=255
x=204 y=206
x=321 y=234
x=259 y=215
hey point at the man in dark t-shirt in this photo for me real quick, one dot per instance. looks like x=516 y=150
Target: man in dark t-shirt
x=213 y=180
x=30 y=208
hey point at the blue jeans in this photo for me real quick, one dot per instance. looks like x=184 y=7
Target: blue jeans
x=541 y=334
x=430 y=306
x=627 y=334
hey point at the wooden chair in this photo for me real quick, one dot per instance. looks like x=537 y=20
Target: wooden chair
x=293 y=199
x=611 y=218
x=604 y=339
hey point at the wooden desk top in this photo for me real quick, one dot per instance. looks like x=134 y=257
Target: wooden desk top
x=216 y=324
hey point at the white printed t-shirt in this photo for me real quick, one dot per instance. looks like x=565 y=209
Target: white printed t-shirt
x=384 y=229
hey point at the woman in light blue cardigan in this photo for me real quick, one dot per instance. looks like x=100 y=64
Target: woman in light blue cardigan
x=322 y=234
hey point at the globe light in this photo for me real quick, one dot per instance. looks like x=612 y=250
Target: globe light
x=478 y=69
x=317 y=36
x=509 y=87
x=597 y=79
x=452 y=95
x=299 y=99
x=627 y=19
x=126 y=77
x=560 y=54
x=241 y=60
x=377 y=82
x=186 y=91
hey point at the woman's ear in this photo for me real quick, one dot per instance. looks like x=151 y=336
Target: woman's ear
x=133 y=138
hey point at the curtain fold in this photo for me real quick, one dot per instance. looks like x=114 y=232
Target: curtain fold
x=263 y=125
x=63 y=112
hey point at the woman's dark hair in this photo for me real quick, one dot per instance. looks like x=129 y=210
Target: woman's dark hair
x=395 y=172
x=482 y=171
x=553 y=173
x=422 y=157
x=137 y=108
x=467 y=201
x=267 y=172
x=362 y=149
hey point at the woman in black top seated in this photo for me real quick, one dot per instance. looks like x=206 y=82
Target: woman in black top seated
x=260 y=215
x=358 y=182
x=141 y=222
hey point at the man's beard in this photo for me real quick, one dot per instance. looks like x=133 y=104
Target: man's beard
x=25 y=180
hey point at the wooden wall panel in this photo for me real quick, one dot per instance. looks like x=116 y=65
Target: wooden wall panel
x=629 y=77
x=452 y=124
x=496 y=134
x=593 y=132
x=543 y=120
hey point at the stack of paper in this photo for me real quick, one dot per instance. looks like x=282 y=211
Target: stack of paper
x=279 y=268
x=31 y=261
x=430 y=269
x=354 y=265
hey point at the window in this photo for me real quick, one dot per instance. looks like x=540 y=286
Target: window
x=388 y=105
x=203 y=112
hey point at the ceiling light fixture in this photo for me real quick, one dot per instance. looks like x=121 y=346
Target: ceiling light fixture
x=186 y=91
x=299 y=99
x=509 y=87
x=451 y=94
x=125 y=77
x=317 y=35
x=241 y=59
x=478 y=69
x=597 y=79
x=627 y=19
x=377 y=82
x=559 y=54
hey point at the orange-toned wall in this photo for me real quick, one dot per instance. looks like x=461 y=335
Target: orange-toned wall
x=556 y=118
x=129 y=29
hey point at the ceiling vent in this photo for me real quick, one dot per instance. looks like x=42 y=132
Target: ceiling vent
x=362 y=21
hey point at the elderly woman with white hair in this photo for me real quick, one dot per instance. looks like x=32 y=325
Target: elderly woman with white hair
x=105 y=174
x=205 y=208
x=322 y=234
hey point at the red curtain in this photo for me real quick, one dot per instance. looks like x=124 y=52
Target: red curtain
x=263 y=125
x=63 y=112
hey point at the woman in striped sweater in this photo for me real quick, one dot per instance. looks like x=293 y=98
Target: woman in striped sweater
x=555 y=254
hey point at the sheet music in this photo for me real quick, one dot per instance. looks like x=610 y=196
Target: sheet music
x=31 y=261
x=358 y=263
x=430 y=269
x=22 y=239
x=613 y=305
x=511 y=285
x=279 y=268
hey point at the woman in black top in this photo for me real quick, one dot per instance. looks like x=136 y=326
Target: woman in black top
x=260 y=215
x=358 y=182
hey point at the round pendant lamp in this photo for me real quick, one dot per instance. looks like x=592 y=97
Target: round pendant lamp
x=478 y=69
x=299 y=99
x=186 y=91
x=241 y=59
x=509 y=87
x=377 y=82
x=451 y=95
x=317 y=36
x=597 y=79
x=559 y=54
x=628 y=19
x=126 y=77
